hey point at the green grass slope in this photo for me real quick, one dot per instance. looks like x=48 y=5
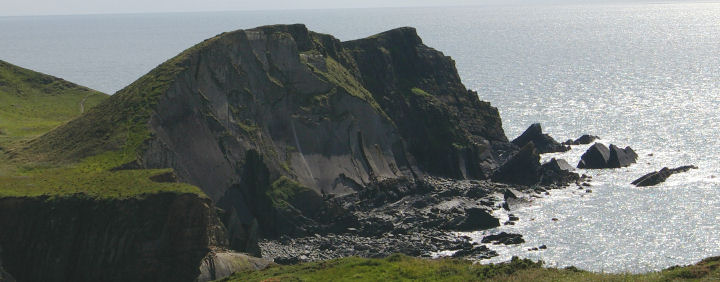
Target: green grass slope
x=119 y=124
x=403 y=268
x=32 y=103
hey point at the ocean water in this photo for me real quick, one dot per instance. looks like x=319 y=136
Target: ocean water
x=639 y=74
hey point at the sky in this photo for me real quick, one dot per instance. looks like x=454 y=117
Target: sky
x=72 y=7
x=78 y=7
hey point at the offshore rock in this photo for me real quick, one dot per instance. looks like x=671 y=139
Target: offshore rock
x=596 y=156
x=599 y=156
x=284 y=118
x=504 y=238
x=621 y=157
x=543 y=142
x=657 y=177
x=558 y=171
x=582 y=140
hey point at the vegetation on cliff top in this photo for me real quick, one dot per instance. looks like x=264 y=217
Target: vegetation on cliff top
x=60 y=182
x=404 y=268
x=119 y=123
x=32 y=104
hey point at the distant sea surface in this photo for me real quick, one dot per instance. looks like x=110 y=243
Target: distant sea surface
x=643 y=75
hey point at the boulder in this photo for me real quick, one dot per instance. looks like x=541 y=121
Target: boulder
x=596 y=156
x=621 y=157
x=558 y=165
x=475 y=252
x=557 y=171
x=475 y=219
x=509 y=194
x=585 y=139
x=220 y=264
x=504 y=238
x=543 y=142
x=523 y=168
x=599 y=156
x=657 y=177
x=582 y=140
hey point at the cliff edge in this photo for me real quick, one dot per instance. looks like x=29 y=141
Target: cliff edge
x=271 y=121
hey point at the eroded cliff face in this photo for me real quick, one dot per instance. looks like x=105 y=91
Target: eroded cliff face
x=332 y=116
x=162 y=237
x=271 y=121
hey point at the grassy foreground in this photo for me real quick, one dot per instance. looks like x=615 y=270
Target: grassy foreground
x=404 y=268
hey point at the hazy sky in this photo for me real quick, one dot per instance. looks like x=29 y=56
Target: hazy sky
x=65 y=7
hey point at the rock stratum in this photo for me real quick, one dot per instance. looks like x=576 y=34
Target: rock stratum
x=159 y=238
x=271 y=121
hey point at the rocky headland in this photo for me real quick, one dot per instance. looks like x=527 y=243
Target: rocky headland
x=277 y=142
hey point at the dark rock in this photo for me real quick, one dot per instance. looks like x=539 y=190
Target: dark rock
x=475 y=219
x=476 y=252
x=558 y=171
x=287 y=260
x=543 y=142
x=159 y=237
x=596 y=156
x=558 y=165
x=523 y=168
x=504 y=238
x=657 y=177
x=585 y=139
x=509 y=194
x=542 y=247
x=476 y=193
x=621 y=157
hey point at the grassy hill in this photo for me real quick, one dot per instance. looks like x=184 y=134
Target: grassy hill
x=404 y=268
x=32 y=104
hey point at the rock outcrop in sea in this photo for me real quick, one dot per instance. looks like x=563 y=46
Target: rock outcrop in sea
x=544 y=143
x=599 y=156
x=657 y=177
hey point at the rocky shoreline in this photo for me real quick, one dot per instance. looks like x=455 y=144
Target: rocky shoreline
x=418 y=219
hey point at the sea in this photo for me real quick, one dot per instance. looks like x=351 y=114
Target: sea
x=645 y=75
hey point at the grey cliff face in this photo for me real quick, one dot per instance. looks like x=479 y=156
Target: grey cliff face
x=332 y=116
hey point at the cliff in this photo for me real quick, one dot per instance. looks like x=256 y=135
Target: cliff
x=162 y=237
x=269 y=121
x=80 y=221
